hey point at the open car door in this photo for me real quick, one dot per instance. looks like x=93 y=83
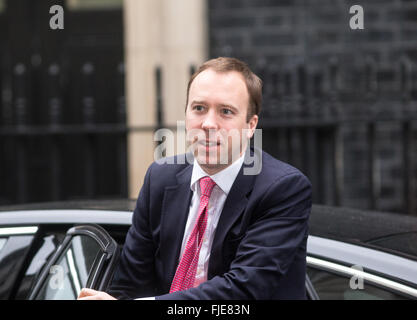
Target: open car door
x=86 y=259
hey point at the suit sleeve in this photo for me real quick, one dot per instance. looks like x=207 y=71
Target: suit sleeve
x=135 y=274
x=276 y=235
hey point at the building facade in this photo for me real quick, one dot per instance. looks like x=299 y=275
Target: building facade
x=80 y=106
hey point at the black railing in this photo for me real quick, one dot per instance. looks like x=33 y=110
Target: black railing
x=56 y=147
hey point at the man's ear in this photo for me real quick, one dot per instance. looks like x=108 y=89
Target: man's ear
x=253 y=122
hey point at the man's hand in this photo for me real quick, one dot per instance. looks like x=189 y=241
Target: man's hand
x=90 y=294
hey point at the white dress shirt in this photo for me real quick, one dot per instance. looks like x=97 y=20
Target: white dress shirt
x=224 y=181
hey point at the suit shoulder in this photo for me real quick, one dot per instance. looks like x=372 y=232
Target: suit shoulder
x=279 y=181
x=166 y=169
x=274 y=169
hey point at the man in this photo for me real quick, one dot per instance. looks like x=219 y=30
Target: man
x=207 y=230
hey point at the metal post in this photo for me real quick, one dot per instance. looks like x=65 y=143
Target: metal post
x=122 y=141
x=408 y=155
x=372 y=168
x=338 y=165
x=55 y=119
x=159 y=105
x=20 y=107
x=89 y=112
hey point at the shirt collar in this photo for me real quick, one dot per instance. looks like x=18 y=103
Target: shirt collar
x=224 y=179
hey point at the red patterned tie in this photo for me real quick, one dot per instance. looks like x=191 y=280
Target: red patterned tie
x=187 y=268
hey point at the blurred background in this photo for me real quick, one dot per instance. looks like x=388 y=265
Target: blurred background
x=79 y=106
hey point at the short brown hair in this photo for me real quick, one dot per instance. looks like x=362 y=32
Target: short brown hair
x=253 y=82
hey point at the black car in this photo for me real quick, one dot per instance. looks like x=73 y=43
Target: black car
x=50 y=251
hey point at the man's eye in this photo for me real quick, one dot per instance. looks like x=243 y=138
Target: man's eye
x=198 y=108
x=227 y=111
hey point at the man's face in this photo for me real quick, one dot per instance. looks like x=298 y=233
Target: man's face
x=216 y=119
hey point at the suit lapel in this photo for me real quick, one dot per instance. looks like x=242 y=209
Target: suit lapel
x=175 y=208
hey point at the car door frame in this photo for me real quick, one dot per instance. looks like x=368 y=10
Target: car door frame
x=103 y=267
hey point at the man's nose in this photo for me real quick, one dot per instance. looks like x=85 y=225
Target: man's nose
x=210 y=121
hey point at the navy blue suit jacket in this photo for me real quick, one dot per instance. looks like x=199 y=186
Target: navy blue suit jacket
x=259 y=248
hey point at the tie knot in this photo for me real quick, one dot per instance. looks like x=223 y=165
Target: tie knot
x=206 y=186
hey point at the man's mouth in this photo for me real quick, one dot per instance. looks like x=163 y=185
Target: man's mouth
x=209 y=144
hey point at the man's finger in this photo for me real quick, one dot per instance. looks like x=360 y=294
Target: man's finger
x=90 y=294
x=86 y=292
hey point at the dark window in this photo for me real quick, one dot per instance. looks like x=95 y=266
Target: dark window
x=331 y=286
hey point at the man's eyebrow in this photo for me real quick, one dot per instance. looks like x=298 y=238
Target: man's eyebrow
x=223 y=105
x=229 y=106
x=197 y=102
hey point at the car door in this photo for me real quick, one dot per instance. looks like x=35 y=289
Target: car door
x=86 y=258
x=343 y=271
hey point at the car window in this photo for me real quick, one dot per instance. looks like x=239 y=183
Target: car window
x=48 y=246
x=70 y=273
x=12 y=255
x=2 y=243
x=332 y=286
x=86 y=259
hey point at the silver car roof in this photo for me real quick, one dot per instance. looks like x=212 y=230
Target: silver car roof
x=35 y=217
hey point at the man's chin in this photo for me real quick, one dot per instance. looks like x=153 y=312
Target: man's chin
x=215 y=160
x=208 y=162
x=213 y=164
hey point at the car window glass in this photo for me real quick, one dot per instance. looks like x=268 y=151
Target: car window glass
x=42 y=255
x=70 y=273
x=331 y=286
x=47 y=248
x=2 y=243
x=12 y=256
